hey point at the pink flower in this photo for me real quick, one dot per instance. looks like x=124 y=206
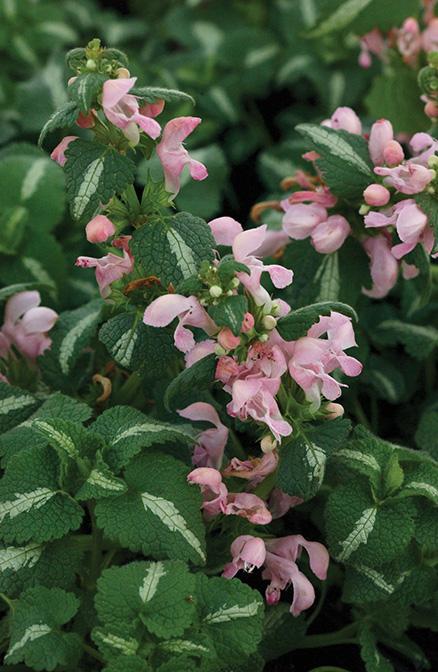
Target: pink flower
x=227 y=339
x=280 y=503
x=189 y=312
x=99 y=229
x=255 y=398
x=376 y=194
x=214 y=492
x=320 y=195
x=211 y=443
x=371 y=43
x=248 y=323
x=173 y=155
x=410 y=221
x=217 y=499
x=266 y=359
x=393 y=153
x=227 y=368
x=199 y=351
x=380 y=135
x=314 y=359
x=423 y=147
x=253 y=470
x=122 y=109
x=26 y=325
x=409 y=40
x=109 y=268
x=246 y=250
x=407 y=178
x=153 y=109
x=58 y=153
x=248 y=553
x=333 y=410
x=429 y=37
x=224 y=230
x=346 y=119
x=328 y=233
x=384 y=267
x=281 y=570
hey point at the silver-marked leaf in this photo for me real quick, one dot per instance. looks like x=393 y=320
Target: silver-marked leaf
x=85 y=89
x=298 y=322
x=62 y=118
x=94 y=173
x=160 y=514
x=16 y=405
x=151 y=94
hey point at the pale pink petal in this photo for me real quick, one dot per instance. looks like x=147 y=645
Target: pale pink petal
x=114 y=90
x=199 y=351
x=248 y=242
x=381 y=133
x=165 y=309
x=20 y=303
x=281 y=277
x=38 y=320
x=224 y=230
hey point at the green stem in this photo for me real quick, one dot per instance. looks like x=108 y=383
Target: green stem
x=360 y=414
x=92 y=652
x=128 y=390
x=342 y=636
x=9 y=602
x=315 y=613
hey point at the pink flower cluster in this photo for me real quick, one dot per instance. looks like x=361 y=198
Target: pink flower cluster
x=278 y=557
x=254 y=380
x=26 y=325
x=305 y=211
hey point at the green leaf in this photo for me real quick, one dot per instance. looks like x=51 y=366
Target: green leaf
x=361 y=530
x=298 y=322
x=373 y=659
x=85 y=89
x=136 y=346
x=422 y=481
x=32 y=506
x=302 y=467
x=385 y=377
x=94 y=174
x=53 y=564
x=10 y=290
x=230 y=312
x=426 y=436
x=344 y=161
x=154 y=595
x=151 y=94
x=12 y=225
x=395 y=96
x=282 y=633
x=189 y=382
x=126 y=431
x=63 y=117
x=16 y=405
x=72 y=333
x=31 y=182
x=160 y=514
x=418 y=340
x=232 y=615
x=343 y=15
x=372 y=584
x=36 y=635
x=100 y=483
x=172 y=248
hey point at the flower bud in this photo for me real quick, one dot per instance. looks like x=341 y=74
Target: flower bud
x=393 y=153
x=235 y=282
x=227 y=339
x=376 y=194
x=99 y=229
x=334 y=410
x=269 y=322
x=215 y=291
x=268 y=443
x=123 y=73
x=248 y=323
x=85 y=120
x=91 y=64
x=219 y=350
x=263 y=338
x=132 y=133
x=431 y=109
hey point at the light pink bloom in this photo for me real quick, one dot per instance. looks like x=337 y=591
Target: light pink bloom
x=280 y=503
x=380 y=135
x=410 y=222
x=209 y=450
x=227 y=369
x=376 y=194
x=281 y=570
x=153 y=109
x=384 y=267
x=109 y=268
x=58 y=153
x=227 y=339
x=199 y=351
x=214 y=492
x=248 y=553
x=255 y=398
x=393 y=153
x=246 y=250
x=407 y=178
x=246 y=505
x=217 y=499
x=224 y=230
x=301 y=219
x=330 y=235
x=346 y=119
x=314 y=359
x=333 y=410
x=253 y=470
x=429 y=37
x=189 y=312
x=26 y=325
x=423 y=147
x=371 y=43
x=248 y=323
x=174 y=156
x=409 y=271
x=320 y=195
x=122 y=109
x=267 y=359
x=409 y=40
x=99 y=229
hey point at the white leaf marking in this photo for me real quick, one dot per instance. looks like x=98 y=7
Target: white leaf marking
x=25 y=501
x=89 y=186
x=15 y=403
x=426 y=488
x=100 y=480
x=184 y=255
x=357 y=456
x=337 y=146
x=33 y=177
x=150 y=582
x=225 y=613
x=19 y=557
x=68 y=343
x=124 y=348
x=359 y=534
x=63 y=440
x=147 y=428
x=33 y=632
